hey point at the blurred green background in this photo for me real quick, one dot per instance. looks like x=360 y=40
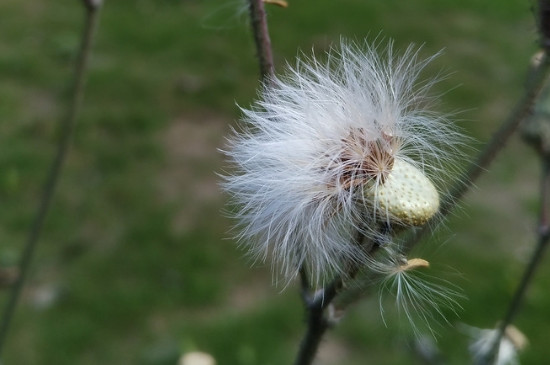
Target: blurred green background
x=135 y=266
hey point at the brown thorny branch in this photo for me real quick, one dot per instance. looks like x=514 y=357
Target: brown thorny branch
x=317 y=303
x=66 y=129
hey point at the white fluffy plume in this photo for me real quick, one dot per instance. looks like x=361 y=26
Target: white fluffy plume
x=319 y=137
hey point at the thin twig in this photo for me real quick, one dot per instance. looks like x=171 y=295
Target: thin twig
x=317 y=324
x=66 y=131
x=258 y=18
x=542 y=146
x=535 y=260
x=316 y=305
x=304 y=285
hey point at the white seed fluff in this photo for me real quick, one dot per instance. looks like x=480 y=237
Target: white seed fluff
x=314 y=138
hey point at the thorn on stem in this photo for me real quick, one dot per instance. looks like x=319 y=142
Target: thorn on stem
x=413 y=264
x=281 y=3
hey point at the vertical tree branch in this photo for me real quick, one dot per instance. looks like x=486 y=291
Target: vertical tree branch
x=66 y=128
x=317 y=324
x=317 y=321
x=315 y=303
x=258 y=18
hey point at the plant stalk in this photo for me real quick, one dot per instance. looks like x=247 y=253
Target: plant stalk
x=66 y=128
x=258 y=18
x=316 y=305
x=534 y=262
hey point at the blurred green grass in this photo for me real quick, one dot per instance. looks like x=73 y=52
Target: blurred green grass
x=134 y=266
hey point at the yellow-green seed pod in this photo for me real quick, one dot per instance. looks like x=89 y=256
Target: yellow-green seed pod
x=407 y=197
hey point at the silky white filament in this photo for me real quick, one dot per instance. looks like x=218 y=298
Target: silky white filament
x=312 y=155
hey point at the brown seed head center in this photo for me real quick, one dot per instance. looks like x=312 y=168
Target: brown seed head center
x=365 y=160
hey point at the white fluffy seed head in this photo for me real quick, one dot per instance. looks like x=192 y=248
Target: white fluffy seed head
x=313 y=142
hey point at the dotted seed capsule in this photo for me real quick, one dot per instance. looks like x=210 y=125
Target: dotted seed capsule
x=407 y=196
